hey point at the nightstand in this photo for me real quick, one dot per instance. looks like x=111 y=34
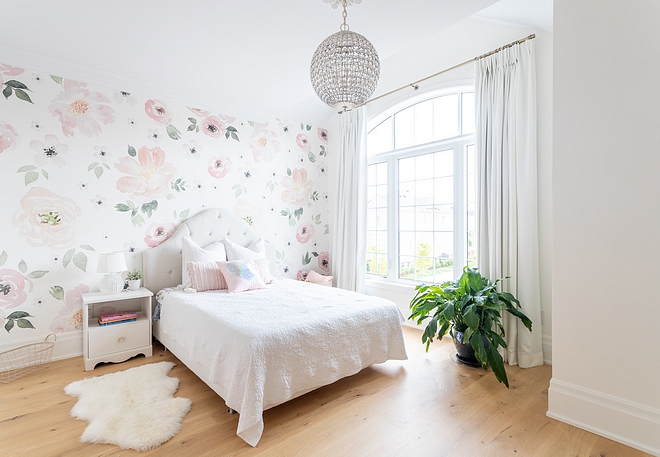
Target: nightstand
x=118 y=342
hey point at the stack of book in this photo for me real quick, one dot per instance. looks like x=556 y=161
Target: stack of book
x=117 y=318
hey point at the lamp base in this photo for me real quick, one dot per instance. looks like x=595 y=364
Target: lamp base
x=111 y=284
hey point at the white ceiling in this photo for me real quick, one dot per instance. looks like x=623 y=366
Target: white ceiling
x=241 y=56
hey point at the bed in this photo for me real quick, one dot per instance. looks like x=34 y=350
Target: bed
x=260 y=348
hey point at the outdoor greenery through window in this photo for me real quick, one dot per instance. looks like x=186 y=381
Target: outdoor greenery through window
x=421 y=190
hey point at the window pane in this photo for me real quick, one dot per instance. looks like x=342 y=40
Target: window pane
x=407 y=193
x=407 y=218
x=467 y=109
x=407 y=267
x=406 y=169
x=424 y=217
x=444 y=190
x=424 y=122
x=445 y=117
x=424 y=166
x=371 y=197
x=381 y=196
x=424 y=192
x=444 y=163
x=380 y=138
x=381 y=219
x=404 y=130
x=407 y=243
x=443 y=217
x=381 y=173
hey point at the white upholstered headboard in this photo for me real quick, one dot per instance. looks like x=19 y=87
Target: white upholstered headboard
x=162 y=264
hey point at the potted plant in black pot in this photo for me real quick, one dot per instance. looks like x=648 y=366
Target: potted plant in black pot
x=470 y=309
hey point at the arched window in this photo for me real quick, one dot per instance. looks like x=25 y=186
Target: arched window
x=421 y=188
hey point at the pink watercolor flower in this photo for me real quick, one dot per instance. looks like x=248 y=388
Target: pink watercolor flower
x=70 y=316
x=148 y=177
x=249 y=213
x=48 y=219
x=324 y=261
x=213 y=127
x=304 y=233
x=297 y=187
x=303 y=142
x=200 y=112
x=49 y=152
x=263 y=142
x=13 y=288
x=9 y=137
x=227 y=119
x=219 y=166
x=158 y=233
x=8 y=70
x=157 y=111
x=302 y=274
x=323 y=135
x=78 y=107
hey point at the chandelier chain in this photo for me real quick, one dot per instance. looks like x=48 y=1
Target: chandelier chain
x=344 y=26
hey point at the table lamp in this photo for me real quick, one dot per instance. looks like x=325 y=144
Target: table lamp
x=110 y=264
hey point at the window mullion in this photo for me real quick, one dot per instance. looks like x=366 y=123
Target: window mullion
x=392 y=219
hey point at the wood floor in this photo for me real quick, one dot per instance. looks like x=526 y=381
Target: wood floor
x=427 y=406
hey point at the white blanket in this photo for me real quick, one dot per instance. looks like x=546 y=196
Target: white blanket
x=270 y=345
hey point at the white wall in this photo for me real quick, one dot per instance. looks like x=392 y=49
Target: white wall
x=447 y=48
x=606 y=211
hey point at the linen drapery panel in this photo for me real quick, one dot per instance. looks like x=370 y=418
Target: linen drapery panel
x=349 y=226
x=507 y=221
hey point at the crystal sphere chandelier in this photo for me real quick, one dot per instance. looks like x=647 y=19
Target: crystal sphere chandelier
x=345 y=67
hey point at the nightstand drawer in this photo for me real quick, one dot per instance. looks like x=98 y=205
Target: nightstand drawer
x=119 y=337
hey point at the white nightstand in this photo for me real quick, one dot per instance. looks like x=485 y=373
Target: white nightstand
x=118 y=342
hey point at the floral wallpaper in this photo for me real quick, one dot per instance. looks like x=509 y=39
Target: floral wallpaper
x=88 y=169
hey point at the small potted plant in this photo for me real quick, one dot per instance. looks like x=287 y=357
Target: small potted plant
x=133 y=278
x=470 y=308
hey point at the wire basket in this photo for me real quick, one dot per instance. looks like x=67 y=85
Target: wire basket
x=27 y=359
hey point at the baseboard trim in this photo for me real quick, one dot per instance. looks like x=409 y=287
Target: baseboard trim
x=67 y=345
x=626 y=422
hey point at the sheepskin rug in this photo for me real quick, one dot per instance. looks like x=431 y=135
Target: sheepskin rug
x=133 y=409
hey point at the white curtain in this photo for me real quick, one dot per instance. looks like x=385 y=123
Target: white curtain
x=505 y=93
x=349 y=230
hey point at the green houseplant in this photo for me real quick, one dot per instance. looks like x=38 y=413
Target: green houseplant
x=133 y=278
x=470 y=309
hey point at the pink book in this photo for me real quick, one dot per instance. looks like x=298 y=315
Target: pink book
x=118 y=315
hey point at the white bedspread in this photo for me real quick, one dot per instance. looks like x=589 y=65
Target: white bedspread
x=268 y=346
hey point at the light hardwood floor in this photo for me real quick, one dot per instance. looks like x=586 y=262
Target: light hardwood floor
x=425 y=406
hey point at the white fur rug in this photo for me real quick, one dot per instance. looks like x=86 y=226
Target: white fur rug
x=133 y=409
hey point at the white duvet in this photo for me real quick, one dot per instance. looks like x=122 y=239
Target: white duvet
x=270 y=345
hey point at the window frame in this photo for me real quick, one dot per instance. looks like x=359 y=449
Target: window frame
x=458 y=143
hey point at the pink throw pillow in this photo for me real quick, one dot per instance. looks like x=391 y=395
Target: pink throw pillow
x=316 y=278
x=241 y=275
x=206 y=276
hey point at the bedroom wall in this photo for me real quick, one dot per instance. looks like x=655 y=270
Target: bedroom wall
x=456 y=44
x=87 y=168
x=606 y=212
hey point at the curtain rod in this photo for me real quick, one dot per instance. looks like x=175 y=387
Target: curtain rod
x=415 y=85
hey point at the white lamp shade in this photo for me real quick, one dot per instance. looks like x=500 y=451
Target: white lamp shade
x=111 y=262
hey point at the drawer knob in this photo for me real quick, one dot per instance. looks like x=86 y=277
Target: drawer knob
x=120 y=339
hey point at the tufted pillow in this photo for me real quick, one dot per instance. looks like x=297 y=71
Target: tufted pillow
x=241 y=275
x=206 y=276
x=255 y=251
x=192 y=252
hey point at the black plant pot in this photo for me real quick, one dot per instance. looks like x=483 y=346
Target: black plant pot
x=464 y=351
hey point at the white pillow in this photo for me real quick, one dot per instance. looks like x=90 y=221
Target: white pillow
x=253 y=252
x=191 y=252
